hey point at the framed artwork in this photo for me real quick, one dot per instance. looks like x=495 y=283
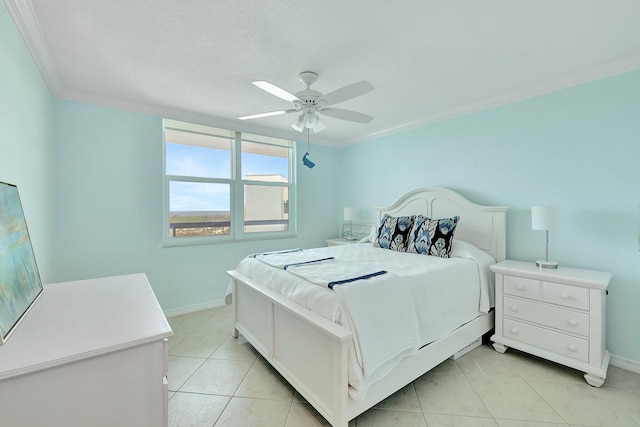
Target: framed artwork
x=20 y=284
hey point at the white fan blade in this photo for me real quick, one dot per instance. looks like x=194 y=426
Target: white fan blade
x=275 y=90
x=345 y=93
x=269 y=114
x=352 y=116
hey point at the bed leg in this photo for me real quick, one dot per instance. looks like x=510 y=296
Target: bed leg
x=235 y=333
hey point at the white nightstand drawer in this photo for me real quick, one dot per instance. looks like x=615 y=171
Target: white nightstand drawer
x=554 y=293
x=576 y=348
x=522 y=287
x=555 y=317
x=567 y=295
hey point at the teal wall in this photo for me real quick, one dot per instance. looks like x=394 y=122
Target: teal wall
x=109 y=208
x=578 y=148
x=27 y=138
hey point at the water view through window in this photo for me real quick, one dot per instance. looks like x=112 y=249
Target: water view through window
x=200 y=177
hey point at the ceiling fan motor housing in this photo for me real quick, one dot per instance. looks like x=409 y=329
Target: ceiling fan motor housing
x=308 y=78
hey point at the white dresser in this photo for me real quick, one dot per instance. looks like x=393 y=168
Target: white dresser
x=557 y=314
x=89 y=353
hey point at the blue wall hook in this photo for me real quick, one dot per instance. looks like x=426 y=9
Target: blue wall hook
x=305 y=161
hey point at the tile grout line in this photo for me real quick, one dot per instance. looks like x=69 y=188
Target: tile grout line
x=545 y=400
x=476 y=391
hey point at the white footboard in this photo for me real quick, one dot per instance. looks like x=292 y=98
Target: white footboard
x=309 y=351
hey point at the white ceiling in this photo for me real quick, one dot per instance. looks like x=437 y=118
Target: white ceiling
x=428 y=59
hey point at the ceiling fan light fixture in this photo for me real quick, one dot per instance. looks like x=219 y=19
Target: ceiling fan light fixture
x=310 y=119
x=299 y=124
x=319 y=126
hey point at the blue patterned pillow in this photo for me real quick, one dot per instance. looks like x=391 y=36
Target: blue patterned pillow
x=419 y=238
x=393 y=233
x=432 y=236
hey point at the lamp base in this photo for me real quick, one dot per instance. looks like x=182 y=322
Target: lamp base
x=546 y=264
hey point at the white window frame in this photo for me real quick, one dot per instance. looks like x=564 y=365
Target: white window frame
x=236 y=184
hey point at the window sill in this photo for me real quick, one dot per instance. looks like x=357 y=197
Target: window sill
x=172 y=242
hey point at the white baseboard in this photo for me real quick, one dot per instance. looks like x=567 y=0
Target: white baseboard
x=193 y=308
x=624 y=363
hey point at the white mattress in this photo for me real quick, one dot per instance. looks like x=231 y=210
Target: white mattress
x=420 y=299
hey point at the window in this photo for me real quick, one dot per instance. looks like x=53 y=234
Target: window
x=223 y=185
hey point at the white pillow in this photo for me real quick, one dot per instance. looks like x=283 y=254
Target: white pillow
x=462 y=249
x=373 y=235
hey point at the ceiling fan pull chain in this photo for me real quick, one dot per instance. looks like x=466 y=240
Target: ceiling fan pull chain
x=305 y=159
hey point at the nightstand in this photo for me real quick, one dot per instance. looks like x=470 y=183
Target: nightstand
x=557 y=314
x=339 y=241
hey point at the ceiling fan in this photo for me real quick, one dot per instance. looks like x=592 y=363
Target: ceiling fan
x=309 y=104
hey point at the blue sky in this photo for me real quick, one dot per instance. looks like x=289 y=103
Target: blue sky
x=189 y=160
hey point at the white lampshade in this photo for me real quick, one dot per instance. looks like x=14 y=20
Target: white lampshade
x=308 y=120
x=351 y=214
x=319 y=126
x=299 y=123
x=545 y=217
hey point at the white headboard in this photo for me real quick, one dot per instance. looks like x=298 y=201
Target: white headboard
x=482 y=226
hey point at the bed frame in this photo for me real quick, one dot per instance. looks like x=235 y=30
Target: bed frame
x=311 y=352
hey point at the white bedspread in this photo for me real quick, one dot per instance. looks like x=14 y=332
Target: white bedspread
x=419 y=299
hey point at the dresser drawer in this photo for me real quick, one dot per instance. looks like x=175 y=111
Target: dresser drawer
x=576 y=348
x=546 y=315
x=566 y=295
x=525 y=288
x=554 y=293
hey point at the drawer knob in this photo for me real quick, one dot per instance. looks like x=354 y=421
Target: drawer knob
x=514 y=308
x=520 y=287
x=572 y=347
x=573 y=322
x=564 y=295
x=514 y=331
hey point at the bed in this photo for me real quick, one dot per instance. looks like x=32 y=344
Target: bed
x=316 y=355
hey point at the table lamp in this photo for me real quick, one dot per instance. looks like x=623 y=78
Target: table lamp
x=545 y=218
x=350 y=215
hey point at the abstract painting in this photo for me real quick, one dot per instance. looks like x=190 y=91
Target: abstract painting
x=20 y=283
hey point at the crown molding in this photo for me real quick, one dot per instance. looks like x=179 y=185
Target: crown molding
x=27 y=23
x=555 y=83
x=29 y=28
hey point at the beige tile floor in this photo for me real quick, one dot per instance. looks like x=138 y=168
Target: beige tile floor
x=217 y=380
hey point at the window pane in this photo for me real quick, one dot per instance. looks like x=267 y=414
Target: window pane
x=199 y=209
x=262 y=162
x=189 y=154
x=266 y=208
